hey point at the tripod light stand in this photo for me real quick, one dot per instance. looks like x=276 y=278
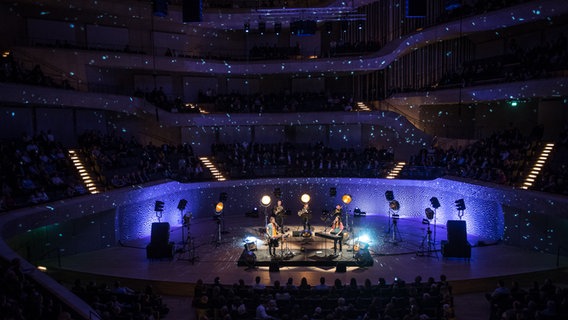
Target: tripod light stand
x=219 y=219
x=265 y=202
x=428 y=245
x=346 y=200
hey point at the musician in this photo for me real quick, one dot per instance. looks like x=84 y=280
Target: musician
x=273 y=236
x=338 y=211
x=305 y=214
x=278 y=213
x=337 y=232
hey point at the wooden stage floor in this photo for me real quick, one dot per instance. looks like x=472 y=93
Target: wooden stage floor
x=218 y=257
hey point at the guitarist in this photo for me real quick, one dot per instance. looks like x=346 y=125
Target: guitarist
x=272 y=235
x=306 y=215
x=278 y=212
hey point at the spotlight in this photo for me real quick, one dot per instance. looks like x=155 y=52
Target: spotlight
x=332 y=192
x=265 y=200
x=394 y=205
x=346 y=198
x=219 y=207
x=277 y=193
x=181 y=205
x=429 y=213
x=159 y=206
x=305 y=198
x=460 y=205
x=389 y=195
x=435 y=203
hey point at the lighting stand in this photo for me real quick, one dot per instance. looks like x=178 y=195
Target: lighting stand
x=396 y=237
x=390 y=214
x=427 y=247
x=218 y=238
x=188 y=245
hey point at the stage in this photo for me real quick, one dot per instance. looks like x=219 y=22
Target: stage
x=216 y=250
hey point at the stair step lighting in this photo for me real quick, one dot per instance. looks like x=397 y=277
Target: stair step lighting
x=212 y=168
x=396 y=170
x=535 y=170
x=87 y=181
x=362 y=106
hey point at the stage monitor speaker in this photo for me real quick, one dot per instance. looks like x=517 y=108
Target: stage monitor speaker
x=160 y=233
x=160 y=8
x=273 y=267
x=192 y=10
x=457 y=232
x=415 y=8
x=341 y=267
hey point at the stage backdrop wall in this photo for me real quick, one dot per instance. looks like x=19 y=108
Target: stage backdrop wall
x=522 y=218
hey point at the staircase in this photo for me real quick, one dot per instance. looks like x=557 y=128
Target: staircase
x=86 y=178
x=537 y=166
x=212 y=168
x=396 y=170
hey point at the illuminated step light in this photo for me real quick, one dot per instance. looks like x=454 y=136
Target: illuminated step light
x=83 y=173
x=212 y=168
x=537 y=166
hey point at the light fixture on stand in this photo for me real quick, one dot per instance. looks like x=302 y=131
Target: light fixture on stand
x=218 y=217
x=427 y=247
x=159 y=209
x=460 y=205
x=394 y=206
x=346 y=199
x=265 y=202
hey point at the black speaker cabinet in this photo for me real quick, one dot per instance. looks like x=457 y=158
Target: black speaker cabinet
x=192 y=11
x=457 y=231
x=273 y=267
x=341 y=267
x=456 y=246
x=160 y=233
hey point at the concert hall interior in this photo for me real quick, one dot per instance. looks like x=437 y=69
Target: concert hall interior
x=181 y=150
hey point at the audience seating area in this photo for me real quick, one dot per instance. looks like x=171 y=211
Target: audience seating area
x=431 y=299
x=295 y=160
x=118 y=302
x=546 y=301
x=22 y=298
x=117 y=162
x=36 y=169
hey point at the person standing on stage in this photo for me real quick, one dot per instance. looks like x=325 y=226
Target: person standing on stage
x=305 y=214
x=337 y=232
x=278 y=213
x=273 y=236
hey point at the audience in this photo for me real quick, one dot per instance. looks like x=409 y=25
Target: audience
x=397 y=300
x=540 y=302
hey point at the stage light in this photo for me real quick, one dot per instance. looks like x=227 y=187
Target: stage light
x=346 y=198
x=435 y=203
x=394 y=205
x=219 y=207
x=159 y=206
x=265 y=200
x=389 y=195
x=277 y=193
x=460 y=205
x=181 y=205
x=364 y=238
x=429 y=213
x=332 y=192
x=305 y=198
